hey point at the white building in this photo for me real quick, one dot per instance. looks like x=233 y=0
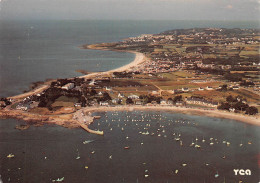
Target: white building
x=68 y=86
x=133 y=96
x=209 y=88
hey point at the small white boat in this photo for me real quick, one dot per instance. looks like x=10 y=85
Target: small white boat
x=192 y=143
x=78 y=157
x=181 y=143
x=10 y=155
x=87 y=141
x=60 y=179
x=203 y=140
x=197 y=146
x=228 y=143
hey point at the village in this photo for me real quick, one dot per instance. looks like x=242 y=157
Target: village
x=200 y=68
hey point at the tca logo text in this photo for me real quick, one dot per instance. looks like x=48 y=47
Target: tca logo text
x=242 y=172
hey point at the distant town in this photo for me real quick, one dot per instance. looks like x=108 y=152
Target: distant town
x=207 y=68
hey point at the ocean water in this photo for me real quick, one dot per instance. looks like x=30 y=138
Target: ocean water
x=43 y=154
x=33 y=51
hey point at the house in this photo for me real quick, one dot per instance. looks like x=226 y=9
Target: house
x=154 y=92
x=179 y=103
x=92 y=82
x=100 y=93
x=120 y=95
x=235 y=87
x=232 y=109
x=154 y=103
x=163 y=102
x=201 y=89
x=77 y=104
x=201 y=101
x=133 y=96
x=209 y=88
x=108 y=88
x=170 y=102
x=116 y=100
x=68 y=86
x=103 y=103
x=138 y=102
x=185 y=89
x=93 y=103
x=23 y=107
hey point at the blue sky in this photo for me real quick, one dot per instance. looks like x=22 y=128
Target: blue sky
x=131 y=9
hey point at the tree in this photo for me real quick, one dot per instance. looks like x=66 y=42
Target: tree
x=251 y=110
x=240 y=106
x=129 y=101
x=223 y=88
x=177 y=98
x=224 y=106
x=42 y=103
x=231 y=99
x=106 y=96
x=93 y=92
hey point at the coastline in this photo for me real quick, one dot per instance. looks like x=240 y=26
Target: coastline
x=139 y=58
x=68 y=121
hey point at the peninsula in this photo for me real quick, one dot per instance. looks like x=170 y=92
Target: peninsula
x=203 y=71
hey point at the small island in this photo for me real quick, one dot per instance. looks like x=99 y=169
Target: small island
x=203 y=71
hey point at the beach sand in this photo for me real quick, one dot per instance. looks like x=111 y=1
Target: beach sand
x=139 y=58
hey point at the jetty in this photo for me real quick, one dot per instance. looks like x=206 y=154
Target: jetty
x=85 y=120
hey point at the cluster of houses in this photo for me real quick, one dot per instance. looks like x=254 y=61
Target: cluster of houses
x=201 y=101
x=26 y=104
x=166 y=61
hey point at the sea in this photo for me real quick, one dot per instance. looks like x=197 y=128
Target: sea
x=138 y=146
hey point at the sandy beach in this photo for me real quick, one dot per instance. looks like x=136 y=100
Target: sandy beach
x=139 y=58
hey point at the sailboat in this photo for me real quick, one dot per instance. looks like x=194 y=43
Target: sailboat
x=78 y=157
x=196 y=145
x=216 y=175
x=10 y=155
x=192 y=143
x=228 y=143
x=203 y=140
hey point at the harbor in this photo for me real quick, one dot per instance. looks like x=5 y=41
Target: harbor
x=151 y=146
